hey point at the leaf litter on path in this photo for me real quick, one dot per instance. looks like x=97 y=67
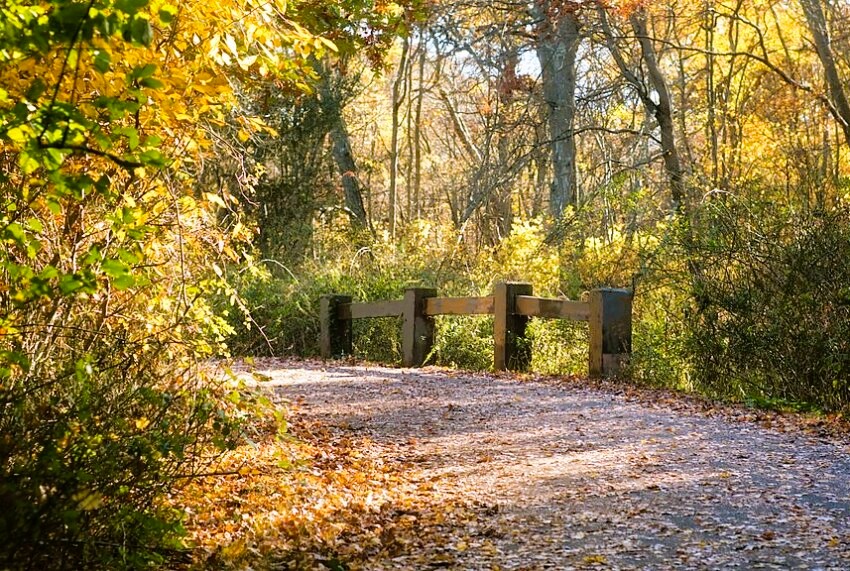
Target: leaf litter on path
x=424 y=469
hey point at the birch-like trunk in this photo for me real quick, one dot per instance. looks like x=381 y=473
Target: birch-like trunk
x=398 y=96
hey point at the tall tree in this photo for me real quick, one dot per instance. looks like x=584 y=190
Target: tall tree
x=399 y=93
x=654 y=94
x=331 y=90
x=840 y=104
x=558 y=35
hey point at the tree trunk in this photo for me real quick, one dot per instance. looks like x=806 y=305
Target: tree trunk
x=398 y=99
x=417 y=134
x=659 y=106
x=837 y=95
x=557 y=46
x=344 y=159
x=341 y=150
x=662 y=110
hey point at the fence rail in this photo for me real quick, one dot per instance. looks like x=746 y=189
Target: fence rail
x=608 y=313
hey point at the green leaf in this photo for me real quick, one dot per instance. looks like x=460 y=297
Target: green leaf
x=27 y=163
x=151 y=83
x=167 y=13
x=141 y=31
x=102 y=61
x=124 y=282
x=70 y=15
x=142 y=71
x=15 y=232
x=153 y=158
x=48 y=273
x=69 y=284
x=130 y=7
x=115 y=268
x=35 y=225
x=128 y=257
x=131 y=134
x=36 y=89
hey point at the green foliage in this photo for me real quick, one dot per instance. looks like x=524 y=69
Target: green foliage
x=282 y=305
x=87 y=454
x=278 y=312
x=559 y=346
x=769 y=314
x=464 y=342
x=659 y=353
x=102 y=410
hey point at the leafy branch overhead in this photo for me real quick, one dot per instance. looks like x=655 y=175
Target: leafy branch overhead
x=111 y=246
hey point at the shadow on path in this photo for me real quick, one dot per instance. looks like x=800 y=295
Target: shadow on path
x=571 y=478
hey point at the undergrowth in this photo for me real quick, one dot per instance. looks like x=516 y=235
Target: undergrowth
x=741 y=305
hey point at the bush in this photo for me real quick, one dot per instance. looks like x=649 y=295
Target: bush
x=88 y=453
x=559 y=346
x=770 y=304
x=464 y=342
x=107 y=251
x=280 y=306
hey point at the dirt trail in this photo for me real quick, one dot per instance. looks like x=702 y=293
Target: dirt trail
x=566 y=477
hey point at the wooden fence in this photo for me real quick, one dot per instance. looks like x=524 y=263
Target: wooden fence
x=608 y=313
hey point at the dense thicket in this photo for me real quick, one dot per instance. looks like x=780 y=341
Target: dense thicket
x=118 y=217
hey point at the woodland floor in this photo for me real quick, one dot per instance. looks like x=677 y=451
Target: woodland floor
x=485 y=472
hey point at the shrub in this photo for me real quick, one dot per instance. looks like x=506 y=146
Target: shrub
x=559 y=346
x=107 y=251
x=464 y=342
x=769 y=312
x=281 y=304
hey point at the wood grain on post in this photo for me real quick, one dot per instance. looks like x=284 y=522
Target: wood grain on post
x=371 y=309
x=610 y=331
x=552 y=308
x=335 y=340
x=459 y=306
x=512 y=351
x=417 y=333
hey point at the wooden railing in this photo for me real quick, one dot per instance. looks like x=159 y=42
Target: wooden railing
x=608 y=313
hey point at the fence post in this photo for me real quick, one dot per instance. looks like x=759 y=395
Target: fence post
x=512 y=351
x=335 y=338
x=610 y=331
x=417 y=333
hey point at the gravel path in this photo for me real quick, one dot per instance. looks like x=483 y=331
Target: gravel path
x=564 y=477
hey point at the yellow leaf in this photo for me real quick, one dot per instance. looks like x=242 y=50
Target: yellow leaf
x=215 y=199
x=88 y=500
x=230 y=42
x=246 y=62
x=16 y=134
x=328 y=44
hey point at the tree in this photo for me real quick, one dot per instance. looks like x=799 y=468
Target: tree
x=335 y=91
x=110 y=247
x=558 y=37
x=654 y=94
x=838 y=98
